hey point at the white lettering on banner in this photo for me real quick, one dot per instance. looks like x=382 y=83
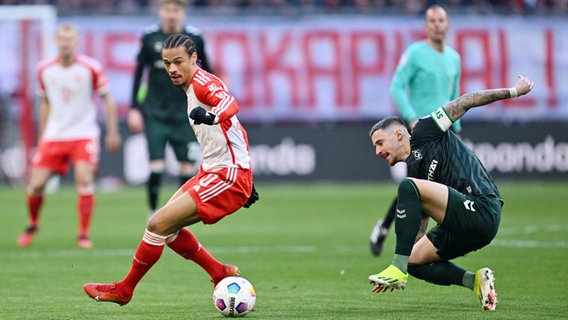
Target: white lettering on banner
x=508 y=157
x=286 y=158
x=334 y=68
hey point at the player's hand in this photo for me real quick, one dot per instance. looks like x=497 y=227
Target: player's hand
x=253 y=198
x=199 y=116
x=113 y=141
x=135 y=120
x=524 y=85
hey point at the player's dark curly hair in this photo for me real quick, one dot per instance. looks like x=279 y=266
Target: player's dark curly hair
x=177 y=40
x=385 y=123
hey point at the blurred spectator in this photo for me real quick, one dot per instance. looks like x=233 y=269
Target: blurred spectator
x=231 y=7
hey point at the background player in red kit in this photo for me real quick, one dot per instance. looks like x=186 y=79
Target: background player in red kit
x=222 y=186
x=68 y=129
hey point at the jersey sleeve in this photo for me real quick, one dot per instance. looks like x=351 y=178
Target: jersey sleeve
x=215 y=94
x=401 y=79
x=426 y=129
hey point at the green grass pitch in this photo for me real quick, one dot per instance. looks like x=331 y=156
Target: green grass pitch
x=304 y=248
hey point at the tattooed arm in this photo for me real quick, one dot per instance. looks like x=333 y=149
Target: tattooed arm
x=456 y=108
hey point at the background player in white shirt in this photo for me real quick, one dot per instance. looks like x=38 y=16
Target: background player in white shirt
x=222 y=186
x=68 y=130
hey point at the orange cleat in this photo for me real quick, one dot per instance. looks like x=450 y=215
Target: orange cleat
x=230 y=271
x=25 y=239
x=84 y=242
x=106 y=293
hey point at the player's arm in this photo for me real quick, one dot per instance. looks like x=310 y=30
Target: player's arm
x=112 y=137
x=456 y=93
x=224 y=105
x=134 y=117
x=456 y=108
x=44 y=108
x=398 y=86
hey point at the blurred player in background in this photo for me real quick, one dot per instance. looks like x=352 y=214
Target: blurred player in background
x=427 y=77
x=222 y=186
x=160 y=113
x=68 y=130
x=448 y=183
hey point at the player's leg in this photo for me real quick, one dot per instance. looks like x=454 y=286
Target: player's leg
x=185 y=243
x=156 y=138
x=381 y=230
x=460 y=233
x=85 y=186
x=84 y=155
x=179 y=212
x=414 y=197
x=34 y=200
x=49 y=159
x=186 y=149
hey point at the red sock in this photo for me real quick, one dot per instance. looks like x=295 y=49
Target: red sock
x=85 y=205
x=145 y=257
x=34 y=205
x=187 y=246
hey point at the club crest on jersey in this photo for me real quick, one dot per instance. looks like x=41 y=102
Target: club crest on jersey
x=213 y=87
x=416 y=154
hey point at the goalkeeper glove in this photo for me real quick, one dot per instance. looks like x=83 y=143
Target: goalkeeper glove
x=199 y=116
x=253 y=197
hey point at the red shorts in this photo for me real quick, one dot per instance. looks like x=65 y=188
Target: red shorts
x=219 y=193
x=56 y=155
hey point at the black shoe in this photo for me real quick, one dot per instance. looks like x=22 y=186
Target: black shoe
x=378 y=236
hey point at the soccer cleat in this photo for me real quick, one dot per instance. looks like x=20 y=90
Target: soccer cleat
x=84 y=242
x=25 y=239
x=390 y=278
x=484 y=288
x=106 y=293
x=230 y=271
x=378 y=236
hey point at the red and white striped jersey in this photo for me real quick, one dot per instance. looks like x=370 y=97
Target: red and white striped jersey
x=224 y=144
x=69 y=91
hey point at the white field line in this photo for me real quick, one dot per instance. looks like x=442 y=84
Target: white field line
x=24 y=253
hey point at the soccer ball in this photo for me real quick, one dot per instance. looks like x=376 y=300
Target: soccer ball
x=234 y=297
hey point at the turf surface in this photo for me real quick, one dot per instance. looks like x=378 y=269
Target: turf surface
x=304 y=248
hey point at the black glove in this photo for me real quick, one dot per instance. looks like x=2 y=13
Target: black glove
x=253 y=197
x=199 y=116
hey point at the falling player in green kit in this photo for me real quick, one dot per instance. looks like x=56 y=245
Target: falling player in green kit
x=448 y=183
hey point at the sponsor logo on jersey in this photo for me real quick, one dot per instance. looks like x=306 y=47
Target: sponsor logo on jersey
x=432 y=169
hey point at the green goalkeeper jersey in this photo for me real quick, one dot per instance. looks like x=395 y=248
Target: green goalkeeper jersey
x=163 y=101
x=440 y=156
x=425 y=79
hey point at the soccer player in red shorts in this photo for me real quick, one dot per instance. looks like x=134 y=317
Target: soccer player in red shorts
x=68 y=130
x=222 y=186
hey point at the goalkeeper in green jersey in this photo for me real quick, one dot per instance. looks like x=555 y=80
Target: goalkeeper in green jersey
x=426 y=78
x=448 y=183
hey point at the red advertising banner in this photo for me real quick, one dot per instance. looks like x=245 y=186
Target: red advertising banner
x=335 y=68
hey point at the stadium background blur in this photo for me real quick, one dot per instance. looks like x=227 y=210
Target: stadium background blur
x=409 y=7
x=312 y=75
